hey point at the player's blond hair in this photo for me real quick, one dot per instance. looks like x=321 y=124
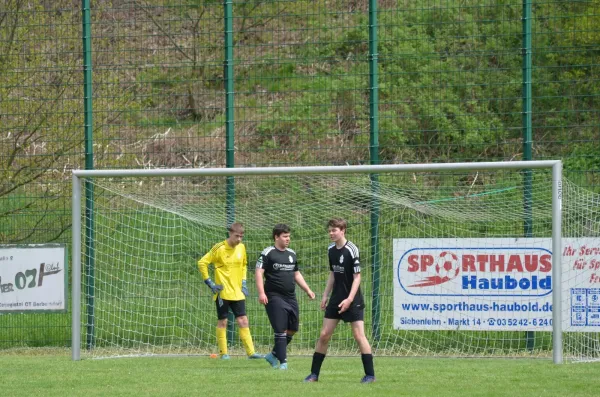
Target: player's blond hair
x=236 y=227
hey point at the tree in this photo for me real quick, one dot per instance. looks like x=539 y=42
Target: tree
x=40 y=111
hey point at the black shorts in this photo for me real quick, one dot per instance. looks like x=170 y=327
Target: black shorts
x=354 y=313
x=283 y=313
x=237 y=307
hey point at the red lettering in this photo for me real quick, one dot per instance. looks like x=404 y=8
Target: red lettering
x=413 y=263
x=514 y=263
x=545 y=263
x=426 y=261
x=496 y=263
x=584 y=250
x=482 y=260
x=531 y=263
x=568 y=251
x=468 y=263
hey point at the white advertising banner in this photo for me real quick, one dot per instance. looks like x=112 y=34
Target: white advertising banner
x=494 y=284
x=33 y=278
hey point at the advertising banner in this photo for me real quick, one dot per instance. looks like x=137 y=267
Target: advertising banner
x=33 y=278
x=494 y=284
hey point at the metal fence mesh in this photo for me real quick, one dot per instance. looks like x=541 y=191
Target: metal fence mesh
x=449 y=87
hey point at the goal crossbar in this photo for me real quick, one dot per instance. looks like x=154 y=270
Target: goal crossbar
x=334 y=169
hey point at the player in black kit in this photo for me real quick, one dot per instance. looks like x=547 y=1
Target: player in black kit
x=279 y=266
x=346 y=302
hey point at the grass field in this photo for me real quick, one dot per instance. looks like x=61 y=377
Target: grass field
x=29 y=372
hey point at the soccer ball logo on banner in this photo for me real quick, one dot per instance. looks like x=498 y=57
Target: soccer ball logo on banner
x=447 y=267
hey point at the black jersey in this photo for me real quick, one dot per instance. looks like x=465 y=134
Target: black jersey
x=344 y=263
x=280 y=268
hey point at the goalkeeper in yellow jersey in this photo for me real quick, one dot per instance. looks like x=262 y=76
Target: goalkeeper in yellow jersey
x=229 y=288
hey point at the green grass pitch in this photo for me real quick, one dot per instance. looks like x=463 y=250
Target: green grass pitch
x=31 y=373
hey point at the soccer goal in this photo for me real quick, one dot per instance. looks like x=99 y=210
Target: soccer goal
x=495 y=259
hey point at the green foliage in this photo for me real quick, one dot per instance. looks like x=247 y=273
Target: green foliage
x=450 y=78
x=38 y=135
x=450 y=89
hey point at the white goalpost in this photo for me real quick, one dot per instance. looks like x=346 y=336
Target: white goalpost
x=459 y=259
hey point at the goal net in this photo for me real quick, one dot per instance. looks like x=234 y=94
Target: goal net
x=455 y=261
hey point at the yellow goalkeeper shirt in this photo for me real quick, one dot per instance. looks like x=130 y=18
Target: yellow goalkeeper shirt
x=230 y=269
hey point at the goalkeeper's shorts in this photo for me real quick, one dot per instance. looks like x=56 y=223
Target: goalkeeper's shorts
x=283 y=313
x=237 y=307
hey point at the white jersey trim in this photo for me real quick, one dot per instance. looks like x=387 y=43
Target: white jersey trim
x=353 y=249
x=265 y=252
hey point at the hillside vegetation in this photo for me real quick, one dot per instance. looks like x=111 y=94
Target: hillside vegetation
x=450 y=88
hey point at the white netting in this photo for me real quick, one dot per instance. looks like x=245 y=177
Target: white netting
x=458 y=252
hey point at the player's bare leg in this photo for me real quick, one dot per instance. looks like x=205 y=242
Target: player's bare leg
x=242 y=321
x=329 y=325
x=358 y=331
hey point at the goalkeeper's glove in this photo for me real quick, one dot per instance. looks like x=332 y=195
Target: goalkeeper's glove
x=244 y=288
x=215 y=288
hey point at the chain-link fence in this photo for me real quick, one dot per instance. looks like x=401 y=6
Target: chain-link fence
x=191 y=83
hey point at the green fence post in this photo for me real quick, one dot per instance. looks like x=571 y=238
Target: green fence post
x=89 y=165
x=229 y=131
x=374 y=159
x=527 y=136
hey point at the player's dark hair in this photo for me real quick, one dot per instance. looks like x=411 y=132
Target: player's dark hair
x=236 y=227
x=279 y=229
x=340 y=223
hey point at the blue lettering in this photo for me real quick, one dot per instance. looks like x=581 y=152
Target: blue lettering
x=511 y=283
x=469 y=281
x=507 y=283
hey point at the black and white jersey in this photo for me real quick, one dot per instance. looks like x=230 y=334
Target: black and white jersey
x=280 y=267
x=344 y=263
